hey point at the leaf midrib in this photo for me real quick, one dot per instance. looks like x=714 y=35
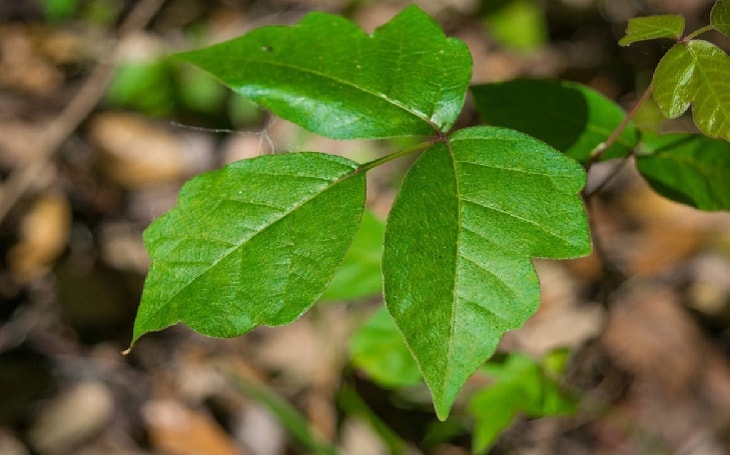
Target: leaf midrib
x=708 y=84
x=354 y=171
x=381 y=96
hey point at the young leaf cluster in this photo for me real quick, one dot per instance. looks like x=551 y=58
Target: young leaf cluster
x=693 y=72
x=258 y=241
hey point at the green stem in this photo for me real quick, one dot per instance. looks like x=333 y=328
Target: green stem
x=698 y=32
x=377 y=162
x=600 y=149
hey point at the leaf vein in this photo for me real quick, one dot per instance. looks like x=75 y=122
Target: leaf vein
x=414 y=112
x=522 y=219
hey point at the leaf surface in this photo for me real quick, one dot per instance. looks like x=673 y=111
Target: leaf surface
x=330 y=77
x=253 y=243
x=696 y=73
x=720 y=16
x=458 y=242
x=359 y=275
x=688 y=168
x=652 y=27
x=571 y=117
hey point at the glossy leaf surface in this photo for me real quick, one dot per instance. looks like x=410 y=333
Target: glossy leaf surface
x=378 y=349
x=571 y=117
x=330 y=77
x=696 y=73
x=688 y=168
x=521 y=386
x=458 y=243
x=652 y=27
x=359 y=275
x=720 y=16
x=254 y=243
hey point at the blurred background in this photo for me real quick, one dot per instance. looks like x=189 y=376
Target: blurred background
x=98 y=131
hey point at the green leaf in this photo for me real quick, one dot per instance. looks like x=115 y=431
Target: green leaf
x=720 y=16
x=360 y=275
x=378 y=349
x=688 y=168
x=256 y=242
x=521 y=386
x=456 y=263
x=571 y=117
x=652 y=27
x=330 y=77
x=696 y=73
x=494 y=409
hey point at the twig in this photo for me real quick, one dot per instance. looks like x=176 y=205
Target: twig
x=614 y=173
x=88 y=96
x=612 y=275
x=597 y=153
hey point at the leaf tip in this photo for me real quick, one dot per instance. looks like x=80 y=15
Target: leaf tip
x=442 y=410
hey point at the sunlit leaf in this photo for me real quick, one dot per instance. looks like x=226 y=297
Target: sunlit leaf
x=330 y=77
x=696 y=73
x=652 y=27
x=720 y=16
x=254 y=243
x=458 y=243
x=688 y=168
x=571 y=117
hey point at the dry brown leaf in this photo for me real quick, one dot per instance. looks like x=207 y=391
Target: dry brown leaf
x=44 y=234
x=176 y=430
x=136 y=153
x=72 y=418
x=22 y=68
x=681 y=378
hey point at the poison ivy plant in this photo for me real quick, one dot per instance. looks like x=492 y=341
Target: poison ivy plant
x=261 y=240
x=258 y=241
x=646 y=28
x=693 y=72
